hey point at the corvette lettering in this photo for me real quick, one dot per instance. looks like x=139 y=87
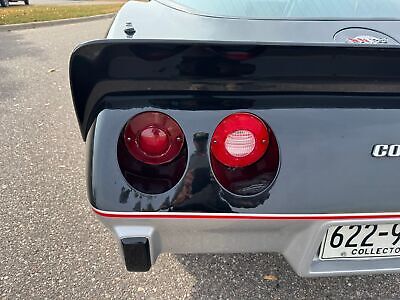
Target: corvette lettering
x=385 y=150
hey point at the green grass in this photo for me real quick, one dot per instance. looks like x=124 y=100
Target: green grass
x=25 y=14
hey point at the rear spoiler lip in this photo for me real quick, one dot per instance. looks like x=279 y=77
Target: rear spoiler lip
x=92 y=50
x=112 y=41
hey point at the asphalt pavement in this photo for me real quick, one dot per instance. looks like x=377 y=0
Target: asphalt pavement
x=52 y=246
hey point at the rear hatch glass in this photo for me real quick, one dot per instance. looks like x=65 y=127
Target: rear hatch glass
x=292 y=9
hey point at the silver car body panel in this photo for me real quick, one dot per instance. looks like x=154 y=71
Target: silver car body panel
x=297 y=238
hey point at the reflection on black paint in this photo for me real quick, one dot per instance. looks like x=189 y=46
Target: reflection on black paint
x=208 y=102
x=217 y=67
x=183 y=66
x=150 y=179
x=307 y=69
x=123 y=197
x=157 y=51
x=197 y=193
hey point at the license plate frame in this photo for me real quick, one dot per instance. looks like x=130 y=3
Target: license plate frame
x=389 y=231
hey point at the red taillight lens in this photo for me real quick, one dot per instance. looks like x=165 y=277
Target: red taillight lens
x=244 y=157
x=240 y=140
x=153 y=138
x=152 y=152
x=153 y=141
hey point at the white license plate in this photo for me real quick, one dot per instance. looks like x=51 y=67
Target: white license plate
x=361 y=241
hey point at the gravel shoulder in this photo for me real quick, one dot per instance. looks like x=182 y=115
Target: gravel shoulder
x=51 y=244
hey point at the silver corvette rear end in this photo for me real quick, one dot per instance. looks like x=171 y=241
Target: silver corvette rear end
x=237 y=136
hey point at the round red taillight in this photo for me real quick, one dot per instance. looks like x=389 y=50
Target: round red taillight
x=240 y=140
x=153 y=138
